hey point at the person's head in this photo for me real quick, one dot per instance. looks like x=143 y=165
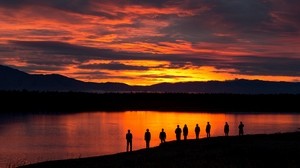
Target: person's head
x=226 y=123
x=162 y=130
x=147 y=130
x=197 y=125
x=128 y=131
x=185 y=125
x=207 y=122
x=177 y=126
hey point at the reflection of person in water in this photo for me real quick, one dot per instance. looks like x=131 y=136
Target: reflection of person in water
x=178 y=133
x=129 y=140
x=147 y=138
x=162 y=136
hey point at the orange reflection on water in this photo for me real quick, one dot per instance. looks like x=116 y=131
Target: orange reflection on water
x=36 y=138
x=138 y=122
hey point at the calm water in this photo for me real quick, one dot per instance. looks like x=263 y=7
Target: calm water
x=34 y=138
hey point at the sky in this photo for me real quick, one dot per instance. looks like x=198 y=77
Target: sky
x=144 y=42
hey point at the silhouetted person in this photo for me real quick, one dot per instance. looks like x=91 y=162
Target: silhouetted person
x=197 y=131
x=129 y=140
x=185 y=132
x=147 y=138
x=208 y=127
x=178 y=133
x=226 y=129
x=241 y=129
x=162 y=136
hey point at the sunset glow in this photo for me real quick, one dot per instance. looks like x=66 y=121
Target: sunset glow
x=151 y=41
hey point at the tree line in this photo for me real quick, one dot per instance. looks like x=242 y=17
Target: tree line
x=51 y=102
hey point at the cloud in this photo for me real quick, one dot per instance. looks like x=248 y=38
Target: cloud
x=38 y=68
x=80 y=53
x=267 y=66
x=57 y=53
x=83 y=53
x=45 y=32
x=113 y=66
x=163 y=76
x=74 y=6
x=249 y=38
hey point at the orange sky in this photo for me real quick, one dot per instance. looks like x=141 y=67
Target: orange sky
x=146 y=42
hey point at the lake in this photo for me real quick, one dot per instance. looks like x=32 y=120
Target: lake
x=34 y=138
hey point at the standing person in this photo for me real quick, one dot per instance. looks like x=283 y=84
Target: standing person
x=197 y=131
x=129 y=140
x=178 y=133
x=226 y=129
x=147 y=138
x=208 y=127
x=241 y=129
x=162 y=136
x=185 y=132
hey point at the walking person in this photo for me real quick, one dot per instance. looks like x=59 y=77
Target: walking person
x=207 y=129
x=129 y=141
x=178 y=133
x=226 y=129
x=162 y=136
x=241 y=129
x=147 y=138
x=185 y=132
x=197 y=131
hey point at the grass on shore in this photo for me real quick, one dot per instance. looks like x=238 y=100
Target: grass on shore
x=273 y=150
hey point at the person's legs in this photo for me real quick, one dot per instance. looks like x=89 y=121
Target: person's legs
x=130 y=146
x=127 y=146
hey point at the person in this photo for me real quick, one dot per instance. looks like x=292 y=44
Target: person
x=178 y=133
x=129 y=140
x=147 y=138
x=185 y=132
x=162 y=136
x=208 y=127
x=241 y=129
x=226 y=129
x=197 y=131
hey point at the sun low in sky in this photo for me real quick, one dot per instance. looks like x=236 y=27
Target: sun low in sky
x=143 y=42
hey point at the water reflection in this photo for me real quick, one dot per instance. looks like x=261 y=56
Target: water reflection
x=34 y=138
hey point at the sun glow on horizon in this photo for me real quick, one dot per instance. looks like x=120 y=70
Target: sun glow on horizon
x=157 y=73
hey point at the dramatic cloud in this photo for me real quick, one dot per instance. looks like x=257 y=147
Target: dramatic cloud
x=145 y=42
x=113 y=66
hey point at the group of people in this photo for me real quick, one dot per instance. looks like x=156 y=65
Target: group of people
x=147 y=138
x=178 y=131
x=241 y=129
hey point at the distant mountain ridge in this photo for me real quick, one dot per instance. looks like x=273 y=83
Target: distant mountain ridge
x=13 y=79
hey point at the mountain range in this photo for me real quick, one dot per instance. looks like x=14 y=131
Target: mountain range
x=13 y=79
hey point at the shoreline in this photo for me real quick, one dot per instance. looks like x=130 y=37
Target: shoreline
x=259 y=150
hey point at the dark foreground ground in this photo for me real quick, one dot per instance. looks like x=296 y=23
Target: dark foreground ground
x=274 y=150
